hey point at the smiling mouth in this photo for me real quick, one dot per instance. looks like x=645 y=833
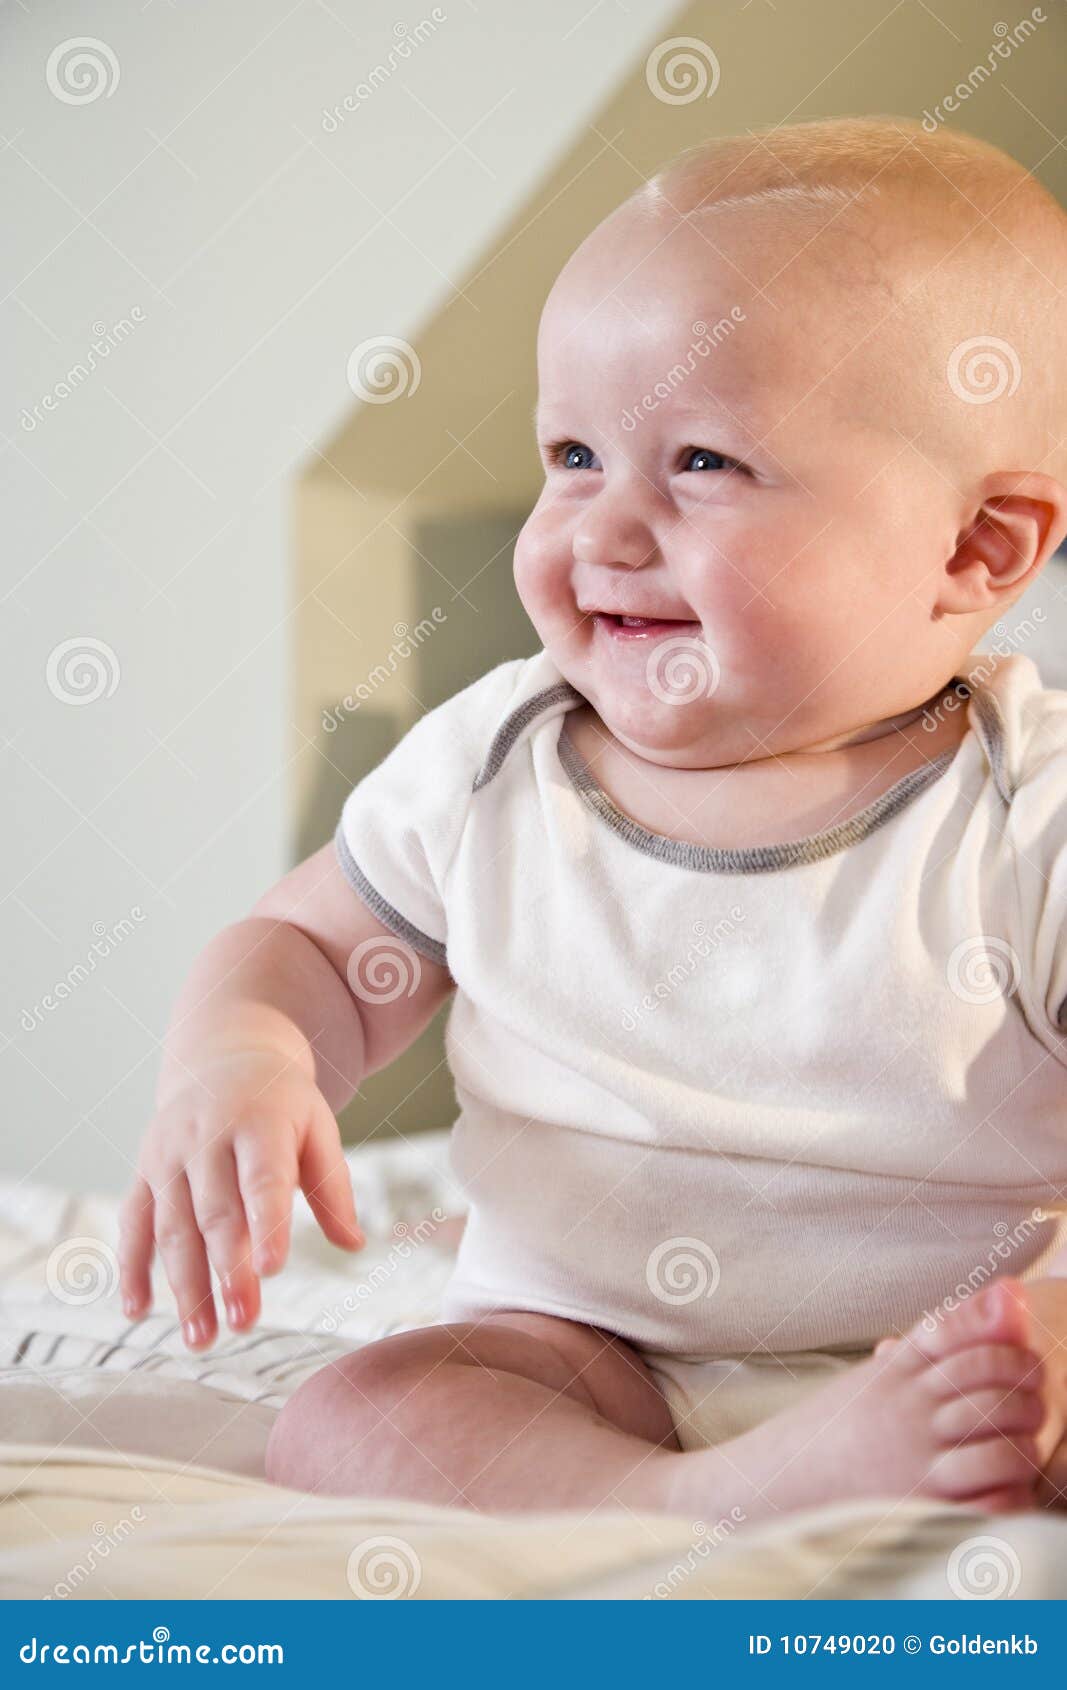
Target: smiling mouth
x=641 y=627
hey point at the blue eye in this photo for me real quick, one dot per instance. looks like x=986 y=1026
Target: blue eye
x=711 y=460
x=573 y=455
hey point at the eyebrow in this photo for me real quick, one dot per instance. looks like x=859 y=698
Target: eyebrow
x=735 y=422
x=552 y=426
x=695 y=404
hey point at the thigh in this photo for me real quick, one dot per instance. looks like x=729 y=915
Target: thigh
x=594 y=1367
x=403 y=1389
x=403 y=1374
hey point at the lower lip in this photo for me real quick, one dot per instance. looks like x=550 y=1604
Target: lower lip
x=642 y=630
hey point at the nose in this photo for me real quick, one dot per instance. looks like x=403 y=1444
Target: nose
x=611 y=530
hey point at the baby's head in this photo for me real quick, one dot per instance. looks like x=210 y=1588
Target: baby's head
x=800 y=395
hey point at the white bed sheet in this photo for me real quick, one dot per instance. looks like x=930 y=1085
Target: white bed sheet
x=74 y=1369
x=132 y=1469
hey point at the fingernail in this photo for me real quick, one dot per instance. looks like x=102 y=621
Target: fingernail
x=989 y=1305
x=195 y=1330
x=234 y=1311
x=130 y=1308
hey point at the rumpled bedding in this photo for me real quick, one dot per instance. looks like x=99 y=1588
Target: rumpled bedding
x=134 y=1469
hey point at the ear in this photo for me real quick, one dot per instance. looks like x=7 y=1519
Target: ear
x=1020 y=521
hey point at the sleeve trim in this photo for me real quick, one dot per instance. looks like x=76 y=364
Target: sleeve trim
x=432 y=949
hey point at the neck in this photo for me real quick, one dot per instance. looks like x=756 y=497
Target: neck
x=880 y=730
x=888 y=726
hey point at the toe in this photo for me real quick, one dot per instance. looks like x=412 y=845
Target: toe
x=985 y=1367
x=997 y=1316
x=973 y=1470
x=1009 y=1499
x=965 y=1419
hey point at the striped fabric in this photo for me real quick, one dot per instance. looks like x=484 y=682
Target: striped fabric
x=75 y=1371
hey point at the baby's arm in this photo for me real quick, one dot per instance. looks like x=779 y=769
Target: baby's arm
x=266 y=1041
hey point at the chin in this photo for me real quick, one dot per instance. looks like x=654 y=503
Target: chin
x=651 y=727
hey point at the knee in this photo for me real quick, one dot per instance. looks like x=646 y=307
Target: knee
x=294 y=1437
x=343 y=1409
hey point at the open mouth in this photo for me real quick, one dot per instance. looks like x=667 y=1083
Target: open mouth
x=642 y=627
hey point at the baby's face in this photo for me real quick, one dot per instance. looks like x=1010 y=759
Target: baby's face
x=732 y=465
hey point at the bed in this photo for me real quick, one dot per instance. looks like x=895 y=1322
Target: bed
x=134 y=1469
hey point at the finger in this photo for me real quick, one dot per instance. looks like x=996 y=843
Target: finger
x=185 y=1259
x=136 y=1249
x=326 y=1182
x=267 y=1173
x=220 y=1216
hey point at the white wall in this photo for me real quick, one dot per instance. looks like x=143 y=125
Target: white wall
x=228 y=251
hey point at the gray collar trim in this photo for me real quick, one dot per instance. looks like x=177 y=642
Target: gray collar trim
x=991 y=729
x=561 y=693
x=748 y=859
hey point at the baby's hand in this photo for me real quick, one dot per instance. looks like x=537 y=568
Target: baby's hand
x=215 y=1179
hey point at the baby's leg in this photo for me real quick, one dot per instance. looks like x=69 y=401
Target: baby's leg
x=517 y=1411
x=526 y=1412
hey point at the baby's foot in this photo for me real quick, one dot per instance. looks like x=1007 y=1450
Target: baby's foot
x=1046 y=1307
x=953 y=1414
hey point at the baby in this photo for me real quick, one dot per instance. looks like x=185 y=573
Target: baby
x=749 y=890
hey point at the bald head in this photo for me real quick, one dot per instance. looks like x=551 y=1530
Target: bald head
x=938 y=247
x=852 y=154
x=803 y=389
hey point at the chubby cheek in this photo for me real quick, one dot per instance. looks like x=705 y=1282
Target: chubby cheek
x=721 y=577
x=542 y=563
x=798 y=634
x=771 y=628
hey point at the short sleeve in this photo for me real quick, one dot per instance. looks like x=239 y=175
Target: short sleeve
x=401 y=824
x=1038 y=830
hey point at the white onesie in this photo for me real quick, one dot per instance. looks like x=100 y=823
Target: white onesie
x=721 y=1102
